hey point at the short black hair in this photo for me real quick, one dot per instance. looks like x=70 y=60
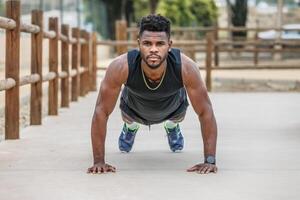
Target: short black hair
x=155 y=23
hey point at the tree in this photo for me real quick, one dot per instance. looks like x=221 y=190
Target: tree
x=238 y=14
x=189 y=12
x=177 y=11
x=205 y=12
x=153 y=5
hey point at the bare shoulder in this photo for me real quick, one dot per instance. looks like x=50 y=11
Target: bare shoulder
x=117 y=71
x=190 y=71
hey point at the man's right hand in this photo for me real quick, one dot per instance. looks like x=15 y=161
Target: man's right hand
x=100 y=168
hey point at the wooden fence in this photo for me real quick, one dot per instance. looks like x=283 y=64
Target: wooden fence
x=76 y=78
x=212 y=45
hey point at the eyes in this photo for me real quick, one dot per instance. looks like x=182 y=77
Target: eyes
x=149 y=44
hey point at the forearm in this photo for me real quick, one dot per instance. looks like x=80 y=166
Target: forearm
x=98 y=135
x=209 y=132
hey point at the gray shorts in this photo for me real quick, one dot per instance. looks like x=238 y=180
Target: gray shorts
x=130 y=119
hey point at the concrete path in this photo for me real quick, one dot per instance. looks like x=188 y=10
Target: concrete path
x=258 y=155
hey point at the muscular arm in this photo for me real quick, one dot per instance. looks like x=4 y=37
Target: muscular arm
x=201 y=103
x=115 y=76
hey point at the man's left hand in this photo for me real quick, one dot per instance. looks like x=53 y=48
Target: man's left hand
x=203 y=168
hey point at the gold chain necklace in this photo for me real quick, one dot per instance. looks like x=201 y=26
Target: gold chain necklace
x=161 y=80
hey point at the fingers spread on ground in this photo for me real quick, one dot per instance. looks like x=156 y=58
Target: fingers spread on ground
x=209 y=169
x=192 y=169
x=215 y=170
x=203 y=170
x=97 y=170
x=103 y=169
x=112 y=169
x=109 y=169
x=94 y=170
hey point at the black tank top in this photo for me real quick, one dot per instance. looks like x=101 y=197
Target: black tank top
x=154 y=106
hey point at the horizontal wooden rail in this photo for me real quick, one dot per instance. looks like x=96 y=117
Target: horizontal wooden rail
x=212 y=28
x=50 y=76
x=7 y=84
x=33 y=78
x=7 y=23
x=29 y=28
x=49 y=34
x=258 y=42
x=63 y=38
x=255 y=29
x=29 y=79
x=73 y=40
x=203 y=42
x=82 y=41
x=245 y=67
x=62 y=74
x=102 y=68
x=82 y=70
x=134 y=43
x=251 y=67
x=258 y=50
x=116 y=42
x=135 y=29
x=73 y=72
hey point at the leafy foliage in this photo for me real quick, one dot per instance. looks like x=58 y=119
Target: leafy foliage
x=189 y=12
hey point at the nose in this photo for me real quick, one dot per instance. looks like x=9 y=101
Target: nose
x=153 y=49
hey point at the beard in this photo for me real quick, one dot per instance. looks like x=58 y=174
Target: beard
x=154 y=65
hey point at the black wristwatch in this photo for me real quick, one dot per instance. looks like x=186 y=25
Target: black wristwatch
x=210 y=160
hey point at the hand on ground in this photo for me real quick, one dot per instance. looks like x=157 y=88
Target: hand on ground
x=203 y=168
x=100 y=168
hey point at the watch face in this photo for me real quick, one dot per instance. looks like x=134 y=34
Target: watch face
x=211 y=159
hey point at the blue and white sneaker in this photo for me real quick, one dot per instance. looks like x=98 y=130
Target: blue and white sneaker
x=175 y=138
x=126 y=138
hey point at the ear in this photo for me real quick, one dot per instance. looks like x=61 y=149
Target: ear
x=138 y=41
x=170 y=45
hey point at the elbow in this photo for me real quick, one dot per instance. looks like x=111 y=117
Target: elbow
x=99 y=114
x=206 y=113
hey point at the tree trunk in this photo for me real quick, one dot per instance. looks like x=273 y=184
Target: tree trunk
x=239 y=12
x=153 y=6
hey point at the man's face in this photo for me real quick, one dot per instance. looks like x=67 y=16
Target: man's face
x=154 y=47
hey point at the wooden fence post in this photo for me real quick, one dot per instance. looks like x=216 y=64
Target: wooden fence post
x=75 y=64
x=65 y=91
x=87 y=62
x=134 y=35
x=94 y=63
x=53 y=67
x=255 y=47
x=216 y=49
x=12 y=70
x=121 y=34
x=82 y=64
x=209 y=51
x=36 y=68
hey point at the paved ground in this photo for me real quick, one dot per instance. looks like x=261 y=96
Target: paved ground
x=258 y=155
